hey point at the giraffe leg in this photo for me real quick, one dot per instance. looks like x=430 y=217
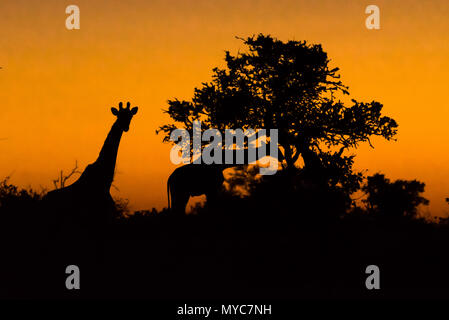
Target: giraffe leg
x=212 y=198
x=212 y=195
x=179 y=202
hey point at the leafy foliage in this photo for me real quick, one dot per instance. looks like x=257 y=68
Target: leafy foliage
x=288 y=86
x=400 y=198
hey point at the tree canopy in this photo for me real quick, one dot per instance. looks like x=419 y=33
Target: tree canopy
x=400 y=198
x=287 y=86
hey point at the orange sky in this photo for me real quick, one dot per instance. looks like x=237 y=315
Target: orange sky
x=56 y=85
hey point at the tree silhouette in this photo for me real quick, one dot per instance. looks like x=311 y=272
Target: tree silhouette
x=242 y=181
x=288 y=86
x=400 y=198
x=11 y=195
x=60 y=182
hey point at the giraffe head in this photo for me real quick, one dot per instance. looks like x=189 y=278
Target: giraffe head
x=124 y=115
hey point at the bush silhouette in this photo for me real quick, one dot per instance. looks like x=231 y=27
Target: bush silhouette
x=11 y=195
x=397 y=199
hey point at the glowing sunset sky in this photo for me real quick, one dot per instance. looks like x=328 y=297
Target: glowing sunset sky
x=57 y=86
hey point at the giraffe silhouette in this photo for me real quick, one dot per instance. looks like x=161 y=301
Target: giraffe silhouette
x=194 y=180
x=197 y=179
x=87 y=203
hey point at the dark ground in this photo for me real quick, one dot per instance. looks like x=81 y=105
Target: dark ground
x=237 y=250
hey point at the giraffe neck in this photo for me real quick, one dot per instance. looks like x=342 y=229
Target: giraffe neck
x=108 y=155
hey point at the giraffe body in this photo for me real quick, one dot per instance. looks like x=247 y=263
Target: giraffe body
x=193 y=180
x=198 y=179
